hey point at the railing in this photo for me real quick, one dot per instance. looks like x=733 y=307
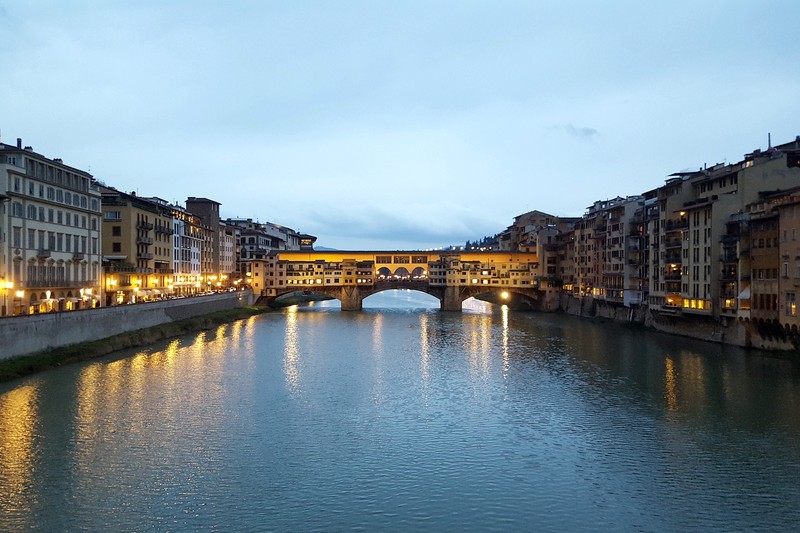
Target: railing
x=144 y=225
x=677 y=224
x=57 y=284
x=112 y=269
x=43 y=253
x=144 y=256
x=78 y=256
x=144 y=240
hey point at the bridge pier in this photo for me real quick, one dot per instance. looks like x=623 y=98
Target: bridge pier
x=451 y=300
x=351 y=299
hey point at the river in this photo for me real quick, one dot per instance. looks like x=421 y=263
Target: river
x=399 y=418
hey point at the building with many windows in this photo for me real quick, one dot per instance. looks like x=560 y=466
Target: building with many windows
x=137 y=247
x=49 y=234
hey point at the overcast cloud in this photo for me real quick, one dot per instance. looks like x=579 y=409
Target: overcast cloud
x=408 y=124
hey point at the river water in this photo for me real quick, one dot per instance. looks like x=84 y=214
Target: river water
x=403 y=418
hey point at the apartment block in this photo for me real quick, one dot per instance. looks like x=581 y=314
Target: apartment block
x=137 y=247
x=49 y=234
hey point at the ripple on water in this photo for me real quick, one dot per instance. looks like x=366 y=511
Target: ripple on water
x=390 y=420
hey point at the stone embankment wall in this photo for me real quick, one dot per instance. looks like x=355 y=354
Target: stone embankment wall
x=36 y=333
x=744 y=333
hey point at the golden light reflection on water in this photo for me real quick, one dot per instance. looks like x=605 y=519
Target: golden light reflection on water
x=480 y=346
x=504 y=345
x=670 y=384
x=377 y=351
x=18 y=417
x=425 y=350
x=291 y=351
x=221 y=331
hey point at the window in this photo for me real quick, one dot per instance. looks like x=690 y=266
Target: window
x=32 y=212
x=16 y=209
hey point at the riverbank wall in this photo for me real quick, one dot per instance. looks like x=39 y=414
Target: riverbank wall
x=759 y=334
x=25 y=335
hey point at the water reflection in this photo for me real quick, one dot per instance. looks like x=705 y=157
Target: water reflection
x=425 y=351
x=291 y=350
x=670 y=381
x=504 y=342
x=486 y=420
x=18 y=417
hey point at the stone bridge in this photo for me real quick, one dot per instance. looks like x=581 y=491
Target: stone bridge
x=450 y=276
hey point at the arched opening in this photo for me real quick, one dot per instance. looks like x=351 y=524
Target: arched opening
x=401 y=299
x=419 y=273
x=301 y=298
x=402 y=273
x=384 y=273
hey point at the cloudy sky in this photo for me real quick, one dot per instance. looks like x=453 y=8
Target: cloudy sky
x=397 y=124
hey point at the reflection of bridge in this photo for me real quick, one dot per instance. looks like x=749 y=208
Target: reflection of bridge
x=452 y=277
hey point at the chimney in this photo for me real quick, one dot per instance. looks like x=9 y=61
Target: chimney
x=19 y=142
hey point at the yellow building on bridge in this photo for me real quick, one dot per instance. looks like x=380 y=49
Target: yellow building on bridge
x=351 y=276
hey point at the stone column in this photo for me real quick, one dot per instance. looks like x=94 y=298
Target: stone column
x=451 y=300
x=351 y=299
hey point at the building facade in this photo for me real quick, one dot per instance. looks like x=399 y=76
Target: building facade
x=137 y=247
x=49 y=234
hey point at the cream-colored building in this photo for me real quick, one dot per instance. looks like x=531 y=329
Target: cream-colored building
x=789 y=252
x=49 y=234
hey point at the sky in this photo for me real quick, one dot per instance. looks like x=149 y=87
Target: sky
x=396 y=124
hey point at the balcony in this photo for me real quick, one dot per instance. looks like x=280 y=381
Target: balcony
x=673 y=243
x=78 y=256
x=672 y=276
x=144 y=225
x=41 y=254
x=144 y=255
x=673 y=225
x=144 y=240
x=51 y=284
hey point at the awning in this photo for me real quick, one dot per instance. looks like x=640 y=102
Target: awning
x=745 y=294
